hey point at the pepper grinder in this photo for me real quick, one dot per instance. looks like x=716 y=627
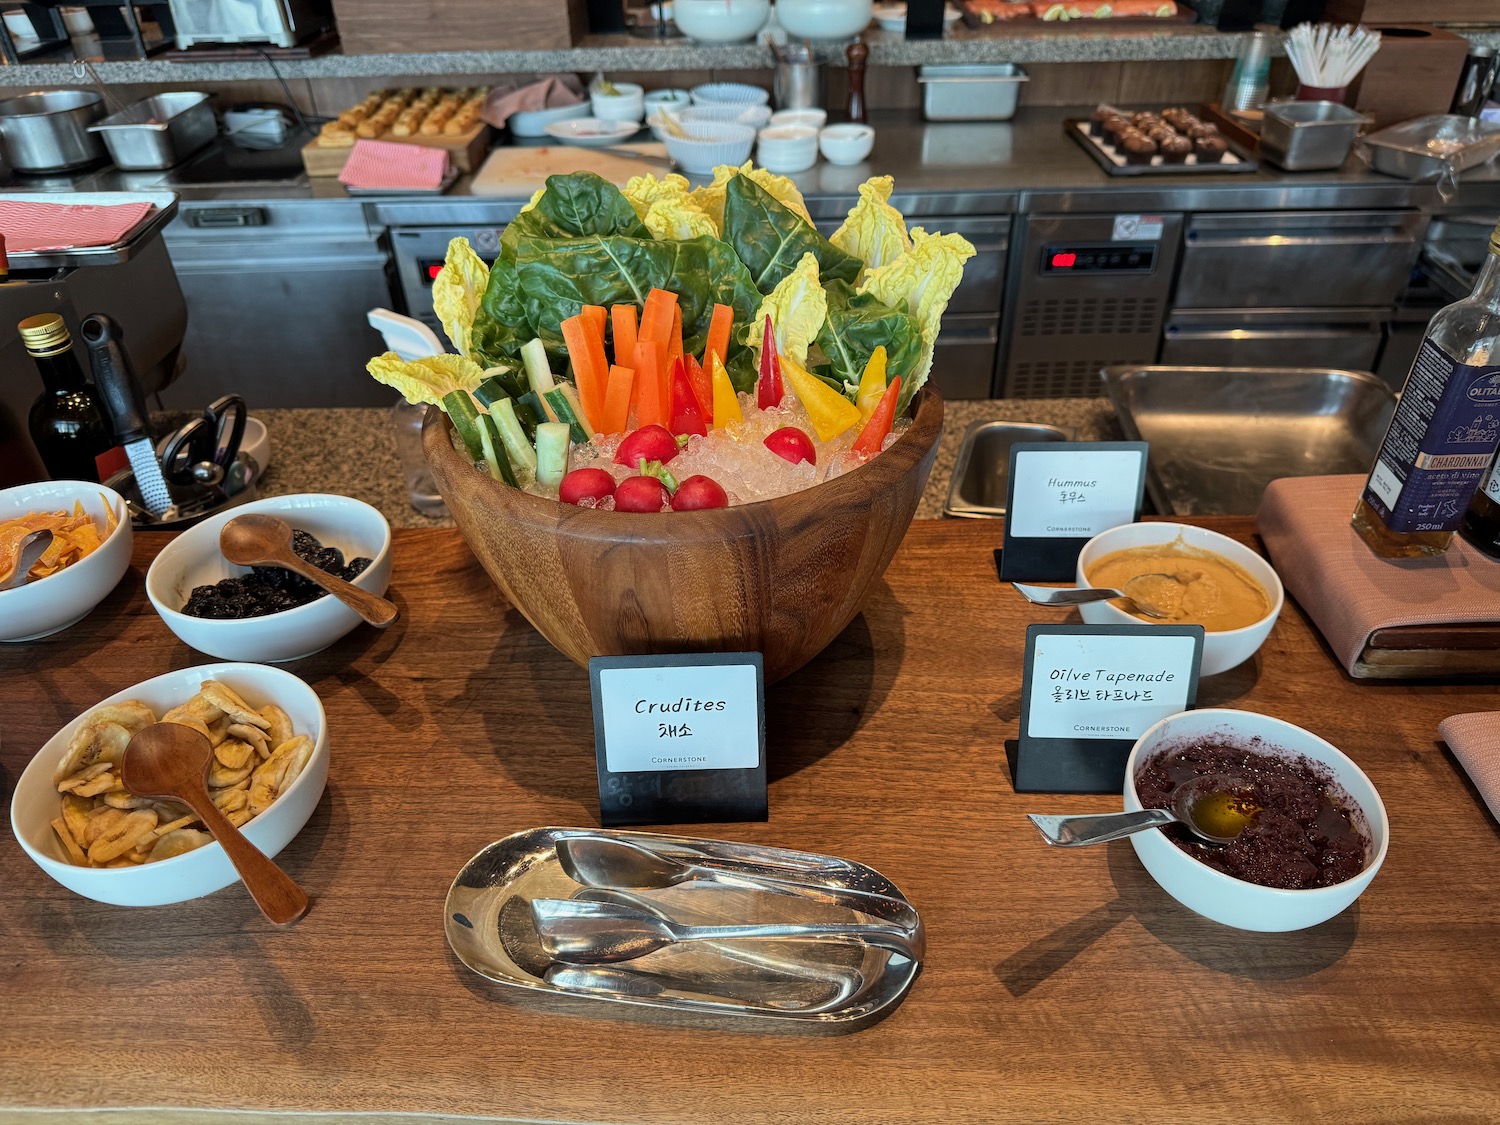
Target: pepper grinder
x=857 y=54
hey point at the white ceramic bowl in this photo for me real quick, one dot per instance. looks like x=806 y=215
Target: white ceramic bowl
x=257 y=442
x=51 y=604
x=709 y=144
x=204 y=870
x=628 y=105
x=671 y=98
x=787 y=148
x=592 y=132
x=753 y=115
x=729 y=93
x=193 y=559
x=846 y=144
x=1223 y=898
x=816 y=118
x=721 y=21
x=824 y=19
x=533 y=123
x=1221 y=650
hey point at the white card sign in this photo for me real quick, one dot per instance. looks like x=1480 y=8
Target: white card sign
x=680 y=738
x=1089 y=691
x=1060 y=495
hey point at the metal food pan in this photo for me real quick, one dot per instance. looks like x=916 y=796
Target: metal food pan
x=1425 y=147
x=981 y=475
x=1219 y=435
x=158 y=132
x=164 y=207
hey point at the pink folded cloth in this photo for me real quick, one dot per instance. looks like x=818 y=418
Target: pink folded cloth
x=548 y=93
x=1350 y=592
x=1475 y=741
x=393 y=166
x=30 y=227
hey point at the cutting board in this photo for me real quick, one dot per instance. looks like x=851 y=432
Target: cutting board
x=518 y=172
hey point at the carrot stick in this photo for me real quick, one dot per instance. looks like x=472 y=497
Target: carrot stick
x=590 y=368
x=718 y=336
x=617 y=400
x=674 y=342
x=623 y=317
x=598 y=315
x=656 y=317
x=651 y=382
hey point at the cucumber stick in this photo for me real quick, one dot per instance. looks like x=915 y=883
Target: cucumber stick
x=534 y=356
x=552 y=440
x=494 y=451
x=563 y=400
x=491 y=391
x=522 y=456
x=465 y=415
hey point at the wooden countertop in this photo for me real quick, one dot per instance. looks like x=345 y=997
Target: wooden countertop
x=1058 y=986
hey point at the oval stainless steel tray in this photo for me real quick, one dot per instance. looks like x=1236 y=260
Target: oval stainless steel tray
x=487 y=920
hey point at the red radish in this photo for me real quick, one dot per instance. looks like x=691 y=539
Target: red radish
x=640 y=494
x=586 y=484
x=791 y=444
x=649 y=443
x=698 y=492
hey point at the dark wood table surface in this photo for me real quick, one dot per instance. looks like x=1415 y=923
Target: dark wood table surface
x=1057 y=986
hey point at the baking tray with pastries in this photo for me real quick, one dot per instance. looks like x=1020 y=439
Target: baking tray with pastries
x=431 y=116
x=1172 y=141
x=985 y=13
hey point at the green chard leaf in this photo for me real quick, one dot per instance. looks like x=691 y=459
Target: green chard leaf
x=858 y=323
x=770 y=239
x=500 y=326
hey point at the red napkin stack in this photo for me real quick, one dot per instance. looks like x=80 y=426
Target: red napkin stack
x=392 y=166
x=32 y=227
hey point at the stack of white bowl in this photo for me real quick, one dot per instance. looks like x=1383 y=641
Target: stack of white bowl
x=629 y=104
x=787 y=148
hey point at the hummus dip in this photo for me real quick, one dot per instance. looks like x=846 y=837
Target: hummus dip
x=1197 y=587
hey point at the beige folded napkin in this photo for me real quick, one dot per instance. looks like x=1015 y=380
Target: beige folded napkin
x=1345 y=588
x=1475 y=741
x=548 y=93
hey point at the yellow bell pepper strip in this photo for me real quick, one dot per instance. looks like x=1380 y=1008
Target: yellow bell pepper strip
x=871 y=384
x=768 y=388
x=726 y=402
x=830 y=412
x=879 y=424
x=687 y=416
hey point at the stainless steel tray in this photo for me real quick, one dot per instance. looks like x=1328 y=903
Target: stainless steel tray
x=843 y=983
x=1236 y=159
x=1219 y=435
x=1426 y=147
x=164 y=204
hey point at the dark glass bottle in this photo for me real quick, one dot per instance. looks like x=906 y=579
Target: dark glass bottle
x=67 y=422
x=1481 y=523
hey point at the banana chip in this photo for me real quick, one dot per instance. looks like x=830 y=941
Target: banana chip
x=257 y=755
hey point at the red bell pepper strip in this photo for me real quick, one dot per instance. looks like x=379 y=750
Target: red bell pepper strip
x=703 y=386
x=873 y=435
x=768 y=388
x=687 y=415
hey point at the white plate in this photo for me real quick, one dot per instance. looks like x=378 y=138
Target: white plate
x=592 y=132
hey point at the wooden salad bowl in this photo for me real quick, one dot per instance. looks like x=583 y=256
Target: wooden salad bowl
x=782 y=577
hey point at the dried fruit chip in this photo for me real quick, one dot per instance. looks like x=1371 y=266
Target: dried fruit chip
x=74 y=537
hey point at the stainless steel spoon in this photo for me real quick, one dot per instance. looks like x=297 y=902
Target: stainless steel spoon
x=601 y=861
x=31 y=548
x=1078 y=595
x=600 y=933
x=1213 y=807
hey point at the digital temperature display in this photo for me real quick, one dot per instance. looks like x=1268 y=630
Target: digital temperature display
x=1111 y=257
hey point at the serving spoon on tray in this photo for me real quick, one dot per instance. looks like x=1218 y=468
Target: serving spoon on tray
x=1214 y=807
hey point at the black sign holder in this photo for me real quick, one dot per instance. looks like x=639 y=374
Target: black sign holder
x=1049 y=558
x=681 y=796
x=1083 y=765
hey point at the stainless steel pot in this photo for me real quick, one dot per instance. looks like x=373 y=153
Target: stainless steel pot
x=48 y=131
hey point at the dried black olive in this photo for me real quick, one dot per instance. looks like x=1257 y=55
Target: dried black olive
x=270 y=589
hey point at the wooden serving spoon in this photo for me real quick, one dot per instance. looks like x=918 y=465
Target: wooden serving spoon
x=168 y=760
x=259 y=540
